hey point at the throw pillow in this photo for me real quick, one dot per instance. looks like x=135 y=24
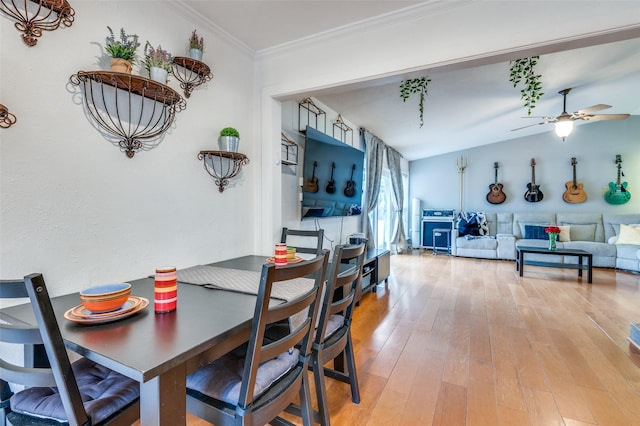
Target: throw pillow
x=468 y=227
x=586 y=232
x=628 y=235
x=565 y=233
x=535 y=232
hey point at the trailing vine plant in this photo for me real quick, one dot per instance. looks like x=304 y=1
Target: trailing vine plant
x=415 y=85
x=524 y=68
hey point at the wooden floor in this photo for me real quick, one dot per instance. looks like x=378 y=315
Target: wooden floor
x=456 y=341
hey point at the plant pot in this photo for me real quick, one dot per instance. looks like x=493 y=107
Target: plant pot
x=195 y=54
x=228 y=143
x=158 y=74
x=120 y=65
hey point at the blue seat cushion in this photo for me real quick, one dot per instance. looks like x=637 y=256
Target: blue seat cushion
x=222 y=378
x=103 y=392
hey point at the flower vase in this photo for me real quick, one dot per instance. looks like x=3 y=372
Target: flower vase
x=158 y=74
x=195 y=54
x=552 y=240
x=120 y=65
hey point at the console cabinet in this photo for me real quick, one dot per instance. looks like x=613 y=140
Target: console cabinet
x=377 y=268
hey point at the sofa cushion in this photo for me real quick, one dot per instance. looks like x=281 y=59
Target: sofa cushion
x=477 y=243
x=628 y=235
x=585 y=232
x=565 y=233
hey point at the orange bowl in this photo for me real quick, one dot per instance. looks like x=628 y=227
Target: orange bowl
x=106 y=297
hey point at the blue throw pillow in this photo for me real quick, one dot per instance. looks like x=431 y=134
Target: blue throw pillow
x=534 y=232
x=468 y=227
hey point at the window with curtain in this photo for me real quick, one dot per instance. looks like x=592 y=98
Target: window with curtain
x=384 y=216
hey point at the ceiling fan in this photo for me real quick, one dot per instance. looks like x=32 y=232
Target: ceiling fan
x=564 y=122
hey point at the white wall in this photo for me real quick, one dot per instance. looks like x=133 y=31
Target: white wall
x=436 y=180
x=76 y=208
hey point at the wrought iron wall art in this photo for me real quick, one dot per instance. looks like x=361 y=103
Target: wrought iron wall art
x=308 y=113
x=222 y=165
x=190 y=73
x=289 y=150
x=34 y=16
x=342 y=129
x=131 y=112
x=6 y=118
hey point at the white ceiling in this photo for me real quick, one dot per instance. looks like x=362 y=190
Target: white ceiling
x=465 y=107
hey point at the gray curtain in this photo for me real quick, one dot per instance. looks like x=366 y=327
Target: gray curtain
x=398 y=241
x=375 y=154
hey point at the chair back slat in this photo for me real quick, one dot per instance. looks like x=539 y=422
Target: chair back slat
x=56 y=351
x=265 y=315
x=300 y=238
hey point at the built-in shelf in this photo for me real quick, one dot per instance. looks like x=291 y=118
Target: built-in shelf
x=132 y=111
x=222 y=165
x=191 y=73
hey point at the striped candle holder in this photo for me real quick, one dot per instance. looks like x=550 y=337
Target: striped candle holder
x=281 y=254
x=165 y=294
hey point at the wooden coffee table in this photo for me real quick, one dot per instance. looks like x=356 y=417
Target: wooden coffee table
x=580 y=254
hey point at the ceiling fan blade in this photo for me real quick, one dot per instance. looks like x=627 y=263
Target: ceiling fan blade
x=546 y=118
x=530 y=125
x=591 y=109
x=597 y=117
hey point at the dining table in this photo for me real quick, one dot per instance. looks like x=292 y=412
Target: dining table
x=160 y=350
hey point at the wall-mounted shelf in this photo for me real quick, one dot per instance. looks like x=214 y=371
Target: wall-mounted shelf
x=343 y=130
x=33 y=17
x=191 y=73
x=6 y=118
x=289 y=150
x=132 y=112
x=222 y=165
x=308 y=115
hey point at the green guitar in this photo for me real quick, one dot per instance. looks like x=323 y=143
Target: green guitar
x=617 y=193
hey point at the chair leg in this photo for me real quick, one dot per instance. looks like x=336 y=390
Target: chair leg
x=321 y=389
x=305 y=401
x=353 y=375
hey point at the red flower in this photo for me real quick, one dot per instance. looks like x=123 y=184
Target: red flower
x=552 y=229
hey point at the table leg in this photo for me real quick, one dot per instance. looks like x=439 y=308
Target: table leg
x=520 y=264
x=163 y=399
x=590 y=270
x=580 y=264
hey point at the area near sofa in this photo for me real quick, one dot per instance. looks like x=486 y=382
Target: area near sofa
x=598 y=234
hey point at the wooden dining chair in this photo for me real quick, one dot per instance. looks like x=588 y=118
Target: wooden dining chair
x=333 y=340
x=305 y=241
x=55 y=395
x=255 y=387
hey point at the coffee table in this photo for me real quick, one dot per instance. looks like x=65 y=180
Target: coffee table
x=580 y=254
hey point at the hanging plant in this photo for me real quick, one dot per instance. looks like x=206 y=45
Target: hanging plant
x=524 y=69
x=415 y=85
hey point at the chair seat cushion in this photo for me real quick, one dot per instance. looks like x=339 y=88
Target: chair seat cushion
x=103 y=392
x=334 y=324
x=222 y=378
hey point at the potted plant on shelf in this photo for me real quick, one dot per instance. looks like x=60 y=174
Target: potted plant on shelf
x=229 y=139
x=158 y=62
x=123 y=51
x=196 y=46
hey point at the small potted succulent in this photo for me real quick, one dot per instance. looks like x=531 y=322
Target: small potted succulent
x=158 y=62
x=229 y=139
x=196 y=46
x=123 y=51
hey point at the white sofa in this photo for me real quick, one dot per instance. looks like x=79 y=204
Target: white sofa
x=592 y=232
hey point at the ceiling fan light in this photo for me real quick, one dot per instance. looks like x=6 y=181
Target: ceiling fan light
x=564 y=126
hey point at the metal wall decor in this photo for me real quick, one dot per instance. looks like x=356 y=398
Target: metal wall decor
x=289 y=150
x=34 y=16
x=132 y=112
x=6 y=118
x=308 y=110
x=222 y=165
x=191 y=73
x=343 y=130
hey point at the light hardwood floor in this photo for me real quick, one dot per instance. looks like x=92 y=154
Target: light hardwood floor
x=456 y=341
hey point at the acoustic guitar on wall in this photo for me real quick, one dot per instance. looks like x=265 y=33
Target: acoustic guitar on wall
x=533 y=194
x=495 y=195
x=331 y=186
x=574 y=193
x=350 y=188
x=311 y=184
x=617 y=193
